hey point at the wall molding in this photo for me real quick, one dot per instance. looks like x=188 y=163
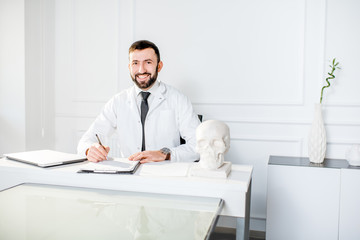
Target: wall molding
x=292 y=122
x=338 y=141
x=268 y=104
x=250 y=103
x=275 y=139
x=259 y=121
x=349 y=104
x=263 y=138
x=102 y=100
x=76 y=116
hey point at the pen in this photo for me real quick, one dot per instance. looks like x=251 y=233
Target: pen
x=99 y=140
x=101 y=145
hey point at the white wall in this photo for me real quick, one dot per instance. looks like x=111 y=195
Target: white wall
x=39 y=73
x=12 y=76
x=26 y=75
x=257 y=65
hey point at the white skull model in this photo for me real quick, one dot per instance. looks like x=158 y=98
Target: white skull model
x=212 y=142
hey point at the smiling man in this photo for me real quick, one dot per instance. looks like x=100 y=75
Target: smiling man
x=149 y=117
x=144 y=66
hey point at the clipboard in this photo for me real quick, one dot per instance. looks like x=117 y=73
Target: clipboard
x=111 y=166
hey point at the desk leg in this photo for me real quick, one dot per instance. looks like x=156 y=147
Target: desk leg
x=243 y=224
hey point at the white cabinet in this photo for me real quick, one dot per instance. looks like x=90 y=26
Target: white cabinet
x=349 y=225
x=309 y=201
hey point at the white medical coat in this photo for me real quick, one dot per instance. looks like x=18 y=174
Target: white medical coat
x=170 y=116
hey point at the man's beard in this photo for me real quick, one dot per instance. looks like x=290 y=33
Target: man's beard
x=148 y=83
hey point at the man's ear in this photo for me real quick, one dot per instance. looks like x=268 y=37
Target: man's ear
x=160 y=65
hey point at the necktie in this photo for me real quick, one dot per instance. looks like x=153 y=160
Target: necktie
x=144 y=110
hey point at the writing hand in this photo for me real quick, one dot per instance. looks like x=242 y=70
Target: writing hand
x=97 y=153
x=148 y=156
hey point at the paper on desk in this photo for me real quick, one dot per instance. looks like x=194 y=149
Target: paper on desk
x=111 y=164
x=165 y=169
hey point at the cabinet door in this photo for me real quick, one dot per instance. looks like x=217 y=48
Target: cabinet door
x=302 y=203
x=349 y=226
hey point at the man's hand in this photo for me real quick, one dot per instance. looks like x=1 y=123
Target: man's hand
x=148 y=156
x=97 y=153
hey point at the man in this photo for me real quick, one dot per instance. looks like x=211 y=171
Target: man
x=149 y=117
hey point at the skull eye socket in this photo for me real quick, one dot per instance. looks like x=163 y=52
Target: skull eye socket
x=218 y=143
x=201 y=143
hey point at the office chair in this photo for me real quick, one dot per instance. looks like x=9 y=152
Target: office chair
x=182 y=141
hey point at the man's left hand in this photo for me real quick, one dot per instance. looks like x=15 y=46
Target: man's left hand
x=148 y=156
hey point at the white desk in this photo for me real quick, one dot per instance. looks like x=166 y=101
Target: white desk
x=235 y=190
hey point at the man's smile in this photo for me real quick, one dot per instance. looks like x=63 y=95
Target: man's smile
x=142 y=77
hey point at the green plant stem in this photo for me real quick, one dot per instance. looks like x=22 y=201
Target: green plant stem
x=327 y=80
x=331 y=76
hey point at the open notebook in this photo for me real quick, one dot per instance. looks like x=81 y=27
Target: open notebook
x=111 y=165
x=45 y=158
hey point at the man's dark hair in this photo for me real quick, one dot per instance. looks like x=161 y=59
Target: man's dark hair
x=143 y=44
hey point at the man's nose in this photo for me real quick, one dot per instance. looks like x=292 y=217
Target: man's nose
x=142 y=68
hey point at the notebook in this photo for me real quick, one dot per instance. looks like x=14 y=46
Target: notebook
x=111 y=166
x=45 y=158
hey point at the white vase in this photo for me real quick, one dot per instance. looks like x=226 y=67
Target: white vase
x=317 y=137
x=353 y=155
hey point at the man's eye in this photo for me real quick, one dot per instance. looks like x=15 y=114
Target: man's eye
x=149 y=62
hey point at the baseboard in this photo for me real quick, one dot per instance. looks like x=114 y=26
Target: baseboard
x=225 y=230
x=257 y=234
x=253 y=234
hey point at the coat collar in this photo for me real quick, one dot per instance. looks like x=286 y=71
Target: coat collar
x=159 y=96
x=158 y=93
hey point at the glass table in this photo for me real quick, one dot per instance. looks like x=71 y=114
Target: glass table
x=39 y=211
